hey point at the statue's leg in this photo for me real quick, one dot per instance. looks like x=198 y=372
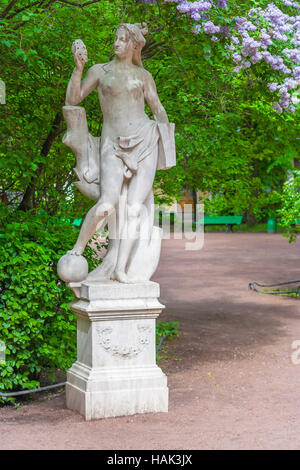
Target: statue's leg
x=93 y=221
x=111 y=185
x=108 y=265
x=138 y=192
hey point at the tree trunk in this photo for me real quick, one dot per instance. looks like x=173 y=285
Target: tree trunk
x=26 y=203
x=86 y=149
x=250 y=219
x=195 y=202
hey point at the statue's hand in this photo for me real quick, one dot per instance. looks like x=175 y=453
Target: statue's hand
x=80 y=54
x=78 y=62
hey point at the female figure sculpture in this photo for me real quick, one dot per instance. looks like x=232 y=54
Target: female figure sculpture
x=124 y=163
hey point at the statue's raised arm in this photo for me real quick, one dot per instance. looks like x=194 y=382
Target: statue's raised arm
x=77 y=90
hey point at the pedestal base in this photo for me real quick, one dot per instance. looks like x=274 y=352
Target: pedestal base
x=119 y=393
x=115 y=373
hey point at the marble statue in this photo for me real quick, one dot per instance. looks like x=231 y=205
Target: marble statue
x=118 y=169
x=117 y=305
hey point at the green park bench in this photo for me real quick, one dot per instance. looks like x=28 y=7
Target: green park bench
x=77 y=222
x=228 y=220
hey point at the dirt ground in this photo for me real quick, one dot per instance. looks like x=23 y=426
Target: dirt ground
x=232 y=381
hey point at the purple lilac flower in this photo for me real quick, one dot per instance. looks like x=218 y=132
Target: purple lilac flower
x=222 y=3
x=289 y=3
x=273 y=86
x=296 y=73
x=279 y=36
x=235 y=40
x=237 y=69
x=246 y=64
x=292 y=54
x=230 y=47
x=250 y=47
x=265 y=40
x=277 y=108
x=290 y=83
x=236 y=57
x=256 y=58
x=210 y=28
x=195 y=16
x=197 y=28
x=275 y=27
x=184 y=7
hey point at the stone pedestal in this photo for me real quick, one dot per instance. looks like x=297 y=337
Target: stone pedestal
x=116 y=373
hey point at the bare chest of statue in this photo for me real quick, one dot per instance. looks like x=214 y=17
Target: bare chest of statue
x=125 y=83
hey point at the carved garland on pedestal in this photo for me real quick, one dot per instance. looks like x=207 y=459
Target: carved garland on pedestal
x=104 y=339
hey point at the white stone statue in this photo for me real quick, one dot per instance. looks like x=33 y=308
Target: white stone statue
x=117 y=171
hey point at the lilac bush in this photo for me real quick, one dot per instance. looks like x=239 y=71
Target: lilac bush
x=269 y=33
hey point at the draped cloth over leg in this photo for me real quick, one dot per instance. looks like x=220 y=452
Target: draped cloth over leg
x=132 y=150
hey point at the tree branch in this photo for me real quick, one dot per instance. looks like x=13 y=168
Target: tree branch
x=80 y=5
x=8 y=8
x=24 y=8
x=26 y=202
x=153 y=46
x=13 y=2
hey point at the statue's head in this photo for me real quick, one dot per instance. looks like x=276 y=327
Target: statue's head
x=130 y=40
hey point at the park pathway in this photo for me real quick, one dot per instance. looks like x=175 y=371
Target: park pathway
x=232 y=381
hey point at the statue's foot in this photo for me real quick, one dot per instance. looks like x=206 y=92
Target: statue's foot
x=121 y=276
x=102 y=272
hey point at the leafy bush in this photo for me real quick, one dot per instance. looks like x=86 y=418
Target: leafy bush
x=166 y=329
x=290 y=210
x=263 y=205
x=36 y=323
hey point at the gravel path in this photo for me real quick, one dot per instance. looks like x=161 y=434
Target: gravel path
x=232 y=381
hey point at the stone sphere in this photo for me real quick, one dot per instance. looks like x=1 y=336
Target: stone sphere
x=72 y=268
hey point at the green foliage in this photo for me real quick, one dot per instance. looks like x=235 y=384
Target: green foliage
x=167 y=329
x=290 y=209
x=36 y=66
x=37 y=325
x=230 y=143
